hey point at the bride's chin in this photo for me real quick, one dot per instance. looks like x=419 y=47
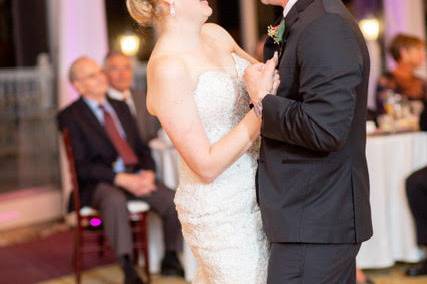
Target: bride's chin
x=208 y=12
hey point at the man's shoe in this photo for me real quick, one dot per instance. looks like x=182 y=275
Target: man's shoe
x=417 y=270
x=171 y=265
x=131 y=276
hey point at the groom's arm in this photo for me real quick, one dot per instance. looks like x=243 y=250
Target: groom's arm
x=331 y=67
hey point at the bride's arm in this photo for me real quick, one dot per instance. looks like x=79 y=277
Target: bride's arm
x=171 y=100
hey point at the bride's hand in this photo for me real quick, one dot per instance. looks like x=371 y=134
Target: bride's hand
x=259 y=79
x=276 y=83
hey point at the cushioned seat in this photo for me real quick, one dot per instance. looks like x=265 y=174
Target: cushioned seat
x=134 y=207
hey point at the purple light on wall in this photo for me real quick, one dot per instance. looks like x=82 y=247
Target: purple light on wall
x=95 y=222
x=365 y=8
x=9 y=216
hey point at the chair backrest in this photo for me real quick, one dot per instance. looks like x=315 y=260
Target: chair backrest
x=72 y=171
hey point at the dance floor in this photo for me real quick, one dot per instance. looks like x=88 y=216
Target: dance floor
x=42 y=259
x=394 y=275
x=109 y=274
x=43 y=255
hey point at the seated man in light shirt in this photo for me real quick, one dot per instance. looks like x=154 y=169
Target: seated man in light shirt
x=119 y=70
x=113 y=165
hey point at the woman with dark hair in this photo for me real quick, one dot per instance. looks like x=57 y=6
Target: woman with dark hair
x=409 y=55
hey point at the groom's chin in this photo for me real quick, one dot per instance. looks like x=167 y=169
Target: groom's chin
x=272 y=2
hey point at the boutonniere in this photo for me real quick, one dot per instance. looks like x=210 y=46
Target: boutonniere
x=277 y=32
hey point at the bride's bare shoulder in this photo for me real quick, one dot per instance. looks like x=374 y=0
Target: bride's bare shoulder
x=163 y=73
x=218 y=34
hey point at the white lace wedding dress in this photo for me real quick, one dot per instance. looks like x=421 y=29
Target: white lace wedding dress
x=221 y=221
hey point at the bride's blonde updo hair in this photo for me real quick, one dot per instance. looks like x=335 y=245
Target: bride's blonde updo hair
x=145 y=12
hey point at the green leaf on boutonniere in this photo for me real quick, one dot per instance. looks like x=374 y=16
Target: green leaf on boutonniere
x=277 y=32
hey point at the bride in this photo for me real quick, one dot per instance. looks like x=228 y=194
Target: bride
x=195 y=88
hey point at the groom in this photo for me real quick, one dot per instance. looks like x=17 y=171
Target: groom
x=313 y=184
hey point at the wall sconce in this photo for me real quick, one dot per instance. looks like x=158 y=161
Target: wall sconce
x=129 y=44
x=370 y=28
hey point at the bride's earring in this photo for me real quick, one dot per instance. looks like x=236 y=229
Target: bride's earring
x=172 y=9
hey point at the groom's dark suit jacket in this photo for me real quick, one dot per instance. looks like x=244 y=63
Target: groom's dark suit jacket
x=94 y=152
x=313 y=184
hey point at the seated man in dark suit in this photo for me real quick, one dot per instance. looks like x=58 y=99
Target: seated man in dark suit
x=113 y=165
x=416 y=191
x=119 y=71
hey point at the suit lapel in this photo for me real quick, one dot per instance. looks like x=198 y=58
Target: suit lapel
x=293 y=15
x=291 y=18
x=301 y=5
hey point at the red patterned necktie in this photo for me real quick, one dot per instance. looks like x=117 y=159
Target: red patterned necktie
x=121 y=145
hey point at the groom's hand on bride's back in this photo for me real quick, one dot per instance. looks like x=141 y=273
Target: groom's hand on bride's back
x=262 y=79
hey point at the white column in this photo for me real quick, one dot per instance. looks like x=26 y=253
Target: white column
x=248 y=23
x=76 y=27
x=53 y=28
x=375 y=72
x=403 y=16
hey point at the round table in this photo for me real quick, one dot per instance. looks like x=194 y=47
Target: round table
x=391 y=159
x=165 y=156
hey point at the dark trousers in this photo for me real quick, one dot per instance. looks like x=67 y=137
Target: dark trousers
x=111 y=201
x=292 y=263
x=416 y=191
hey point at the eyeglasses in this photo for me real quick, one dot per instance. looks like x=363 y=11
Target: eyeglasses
x=91 y=76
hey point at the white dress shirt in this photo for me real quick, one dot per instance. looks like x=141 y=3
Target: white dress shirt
x=125 y=96
x=288 y=7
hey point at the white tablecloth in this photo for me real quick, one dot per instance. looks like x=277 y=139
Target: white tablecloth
x=390 y=160
x=165 y=156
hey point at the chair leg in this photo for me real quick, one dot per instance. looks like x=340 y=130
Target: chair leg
x=135 y=257
x=76 y=258
x=144 y=236
x=101 y=243
x=135 y=239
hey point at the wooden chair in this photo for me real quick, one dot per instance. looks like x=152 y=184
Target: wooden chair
x=89 y=236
